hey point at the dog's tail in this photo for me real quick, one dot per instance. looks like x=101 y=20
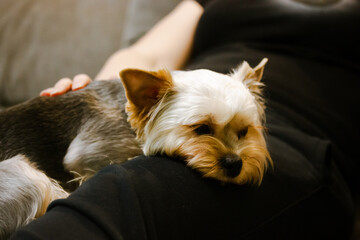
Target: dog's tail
x=25 y=193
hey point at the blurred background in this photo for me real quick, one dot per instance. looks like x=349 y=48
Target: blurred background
x=42 y=41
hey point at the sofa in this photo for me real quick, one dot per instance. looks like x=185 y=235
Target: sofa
x=43 y=41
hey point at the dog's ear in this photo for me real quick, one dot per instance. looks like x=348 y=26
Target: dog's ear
x=143 y=88
x=251 y=77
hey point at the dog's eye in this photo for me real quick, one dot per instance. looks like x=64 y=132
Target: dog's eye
x=203 y=129
x=242 y=133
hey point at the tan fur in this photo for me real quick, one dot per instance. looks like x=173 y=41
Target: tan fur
x=143 y=90
x=25 y=195
x=149 y=95
x=251 y=77
x=203 y=152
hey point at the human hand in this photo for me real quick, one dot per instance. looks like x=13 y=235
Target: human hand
x=65 y=85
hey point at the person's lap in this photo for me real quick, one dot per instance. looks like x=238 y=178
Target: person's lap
x=161 y=198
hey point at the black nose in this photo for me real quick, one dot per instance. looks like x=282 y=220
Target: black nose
x=232 y=164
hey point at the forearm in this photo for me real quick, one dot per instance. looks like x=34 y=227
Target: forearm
x=167 y=45
x=124 y=58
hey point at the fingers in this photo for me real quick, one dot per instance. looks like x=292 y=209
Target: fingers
x=66 y=84
x=80 y=81
x=61 y=87
x=46 y=92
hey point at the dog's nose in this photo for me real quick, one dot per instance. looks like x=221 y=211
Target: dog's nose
x=232 y=164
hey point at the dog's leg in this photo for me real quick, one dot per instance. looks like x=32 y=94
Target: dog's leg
x=25 y=193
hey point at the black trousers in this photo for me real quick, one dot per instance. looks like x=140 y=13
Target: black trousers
x=303 y=197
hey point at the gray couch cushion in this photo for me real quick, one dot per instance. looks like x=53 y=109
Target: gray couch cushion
x=142 y=15
x=42 y=41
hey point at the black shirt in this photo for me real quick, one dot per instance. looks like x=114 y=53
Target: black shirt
x=313 y=74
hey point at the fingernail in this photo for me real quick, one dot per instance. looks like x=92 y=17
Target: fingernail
x=53 y=93
x=76 y=86
x=45 y=92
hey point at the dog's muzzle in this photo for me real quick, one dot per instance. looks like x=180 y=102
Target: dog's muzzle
x=232 y=164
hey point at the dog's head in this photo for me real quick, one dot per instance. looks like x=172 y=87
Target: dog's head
x=213 y=121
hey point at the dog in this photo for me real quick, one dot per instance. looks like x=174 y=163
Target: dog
x=213 y=121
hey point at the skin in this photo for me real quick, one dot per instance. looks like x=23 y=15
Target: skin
x=167 y=45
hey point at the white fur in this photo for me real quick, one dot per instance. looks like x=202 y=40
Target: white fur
x=198 y=95
x=203 y=92
x=94 y=147
x=25 y=193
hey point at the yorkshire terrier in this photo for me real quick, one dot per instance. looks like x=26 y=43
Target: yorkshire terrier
x=211 y=120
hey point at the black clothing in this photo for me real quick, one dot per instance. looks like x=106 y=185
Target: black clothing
x=311 y=79
x=312 y=76
x=161 y=198
x=203 y=3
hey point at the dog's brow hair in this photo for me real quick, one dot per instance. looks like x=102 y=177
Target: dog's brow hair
x=208 y=120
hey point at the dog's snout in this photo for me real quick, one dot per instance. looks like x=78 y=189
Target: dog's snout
x=232 y=164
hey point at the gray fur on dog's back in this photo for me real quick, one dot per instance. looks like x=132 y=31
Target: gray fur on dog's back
x=75 y=133
x=43 y=128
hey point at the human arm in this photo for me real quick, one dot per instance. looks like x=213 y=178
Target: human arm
x=167 y=45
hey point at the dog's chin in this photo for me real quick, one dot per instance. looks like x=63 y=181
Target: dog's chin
x=251 y=173
x=204 y=156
